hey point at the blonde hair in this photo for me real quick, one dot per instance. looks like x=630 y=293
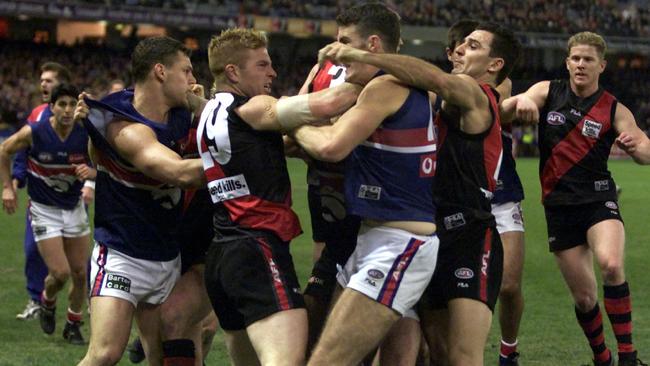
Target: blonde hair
x=227 y=48
x=589 y=39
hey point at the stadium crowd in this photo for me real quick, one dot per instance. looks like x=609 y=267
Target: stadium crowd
x=20 y=68
x=613 y=17
x=414 y=198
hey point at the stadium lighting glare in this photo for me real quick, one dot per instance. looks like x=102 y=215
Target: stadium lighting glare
x=416 y=42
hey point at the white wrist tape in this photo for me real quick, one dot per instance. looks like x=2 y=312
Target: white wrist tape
x=294 y=112
x=89 y=183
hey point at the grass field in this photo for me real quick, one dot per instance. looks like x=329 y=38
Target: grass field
x=549 y=333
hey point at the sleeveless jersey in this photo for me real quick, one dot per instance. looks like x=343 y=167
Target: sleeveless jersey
x=388 y=177
x=468 y=166
x=51 y=178
x=134 y=214
x=508 y=187
x=329 y=177
x=19 y=168
x=246 y=171
x=575 y=139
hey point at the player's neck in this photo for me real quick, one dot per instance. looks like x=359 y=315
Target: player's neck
x=150 y=103
x=61 y=130
x=584 y=91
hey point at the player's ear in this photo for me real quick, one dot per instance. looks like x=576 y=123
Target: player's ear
x=159 y=71
x=231 y=71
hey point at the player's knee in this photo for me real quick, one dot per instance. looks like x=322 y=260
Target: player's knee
x=60 y=275
x=106 y=356
x=510 y=288
x=612 y=271
x=585 y=301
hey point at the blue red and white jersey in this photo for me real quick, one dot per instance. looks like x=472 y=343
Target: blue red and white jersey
x=134 y=214
x=51 y=178
x=509 y=187
x=389 y=177
x=19 y=168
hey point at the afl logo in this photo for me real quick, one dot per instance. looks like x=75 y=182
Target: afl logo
x=45 y=157
x=376 y=274
x=611 y=205
x=464 y=273
x=555 y=119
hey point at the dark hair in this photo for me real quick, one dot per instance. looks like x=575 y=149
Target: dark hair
x=62 y=90
x=154 y=50
x=62 y=73
x=504 y=45
x=458 y=31
x=373 y=18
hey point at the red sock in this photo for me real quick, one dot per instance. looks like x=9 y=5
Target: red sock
x=592 y=325
x=48 y=303
x=508 y=348
x=74 y=317
x=619 y=310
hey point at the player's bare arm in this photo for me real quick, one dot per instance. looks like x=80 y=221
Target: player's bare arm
x=382 y=97
x=461 y=91
x=19 y=141
x=264 y=112
x=138 y=144
x=631 y=139
x=526 y=106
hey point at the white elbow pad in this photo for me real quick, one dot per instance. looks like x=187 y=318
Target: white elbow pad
x=294 y=112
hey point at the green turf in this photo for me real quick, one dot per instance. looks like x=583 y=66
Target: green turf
x=549 y=334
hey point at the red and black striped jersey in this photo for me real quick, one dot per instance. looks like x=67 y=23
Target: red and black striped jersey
x=575 y=138
x=246 y=171
x=468 y=166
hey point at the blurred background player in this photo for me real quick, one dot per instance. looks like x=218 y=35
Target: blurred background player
x=52 y=74
x=58 y=216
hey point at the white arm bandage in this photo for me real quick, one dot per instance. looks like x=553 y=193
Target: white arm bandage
x=89 y=183
x=294 y=112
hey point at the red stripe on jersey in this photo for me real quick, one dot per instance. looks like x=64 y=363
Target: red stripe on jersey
x=36 y=114
x=485 y=264
x=255 y=213
x=128 y=175
x=574 y=147
x=323 y=79
x=401 y=138
x=276 y=277
x=45 y=171
x=492 y=145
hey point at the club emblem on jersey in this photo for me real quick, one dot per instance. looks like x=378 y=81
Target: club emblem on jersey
x=454 y=221
x=555 y=119
x=76 y=158
x=601 y=185
x=369 y=192
x=591 y=129
x=611 y=205
x=464 y=273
